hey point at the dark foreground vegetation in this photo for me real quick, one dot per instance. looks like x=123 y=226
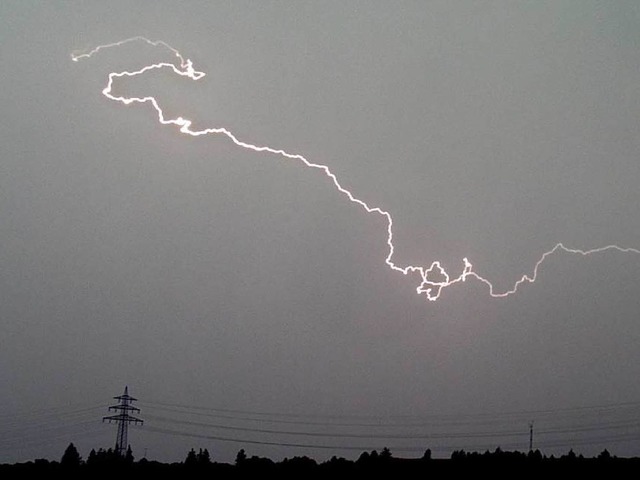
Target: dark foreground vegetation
x=200 y=465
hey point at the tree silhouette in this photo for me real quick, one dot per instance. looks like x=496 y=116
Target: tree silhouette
x=364 y=457
x=93 y=456
x=198 y=464
x=128 y=457
x=604 y=455
x=192 y=458
x=241 y=457
x=535 y=455
x=203 y=457
x=71 y=458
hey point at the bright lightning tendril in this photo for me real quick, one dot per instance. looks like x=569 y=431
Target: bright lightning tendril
x=430 y=287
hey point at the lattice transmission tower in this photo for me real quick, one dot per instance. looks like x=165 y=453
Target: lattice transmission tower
x=123 y=419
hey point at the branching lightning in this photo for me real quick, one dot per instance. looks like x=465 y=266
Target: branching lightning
x=428 y=285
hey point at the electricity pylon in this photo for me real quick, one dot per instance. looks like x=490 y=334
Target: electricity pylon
x=123 y=419
x=531 y=436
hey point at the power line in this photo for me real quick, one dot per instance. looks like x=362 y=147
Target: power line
x=504 y=438
x=45 y=421
x=438 y=435
x=515 y=413
x=400 y=448
x=60 y=409
x=310 y=423
x=338 y=434
x=51 y=423
x=72 y=433
x=255 y=442
x=465 y=423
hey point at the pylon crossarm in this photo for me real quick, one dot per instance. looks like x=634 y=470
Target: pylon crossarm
x=129 y=408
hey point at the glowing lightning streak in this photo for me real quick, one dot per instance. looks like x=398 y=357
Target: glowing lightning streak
x=431 y=288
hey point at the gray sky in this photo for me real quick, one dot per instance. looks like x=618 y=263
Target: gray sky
x=201 y=274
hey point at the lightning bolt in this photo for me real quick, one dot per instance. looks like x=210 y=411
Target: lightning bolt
x=428 y=286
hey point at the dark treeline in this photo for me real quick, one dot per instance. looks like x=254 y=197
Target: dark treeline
x=201 y=465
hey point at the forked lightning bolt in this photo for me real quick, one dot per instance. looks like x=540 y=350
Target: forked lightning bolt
x=429 y=286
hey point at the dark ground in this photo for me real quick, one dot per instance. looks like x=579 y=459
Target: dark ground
x=199 y=465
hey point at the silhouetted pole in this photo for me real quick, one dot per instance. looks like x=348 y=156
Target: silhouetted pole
x=531 y=437
x=123 y=419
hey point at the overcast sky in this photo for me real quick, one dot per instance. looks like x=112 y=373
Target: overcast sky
x=202 y=274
